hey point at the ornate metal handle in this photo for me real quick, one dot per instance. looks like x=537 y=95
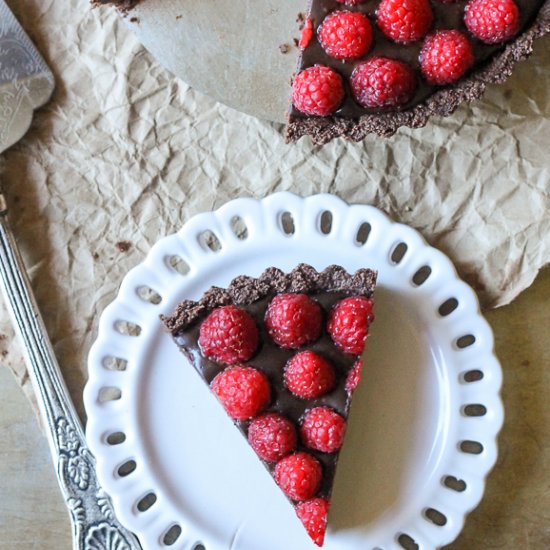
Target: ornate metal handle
x=93 y=522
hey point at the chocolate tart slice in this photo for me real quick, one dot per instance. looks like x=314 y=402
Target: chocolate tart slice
x=355 y=111
x=281 y=352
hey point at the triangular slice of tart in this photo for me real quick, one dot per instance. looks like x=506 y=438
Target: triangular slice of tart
x=282 y=353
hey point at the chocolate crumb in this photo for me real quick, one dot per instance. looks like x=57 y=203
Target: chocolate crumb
x=123 y=246
x=124 y=6
x=300 y=18
x=134 y=20
x=296 y=42
x=5 y=353
x=95 y=256
x=284 y=48
x=178 y=17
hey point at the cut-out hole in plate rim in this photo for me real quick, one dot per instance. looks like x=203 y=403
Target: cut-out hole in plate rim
x=363 y=233
x=218 y=493
x=287 y=223
x=146 y=502
x=238 y=226
x=172 y=535
x=458 y=485
x=398 y=253
x=177 y=263
x=472 y=376
x=325 y=222
x=116 y=438
x=109 y=393
x=127 y=468
x=209 y=241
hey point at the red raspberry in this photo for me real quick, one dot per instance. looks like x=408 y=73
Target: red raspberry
x=306 y=34
x=445 y=56
x=228 y=335
x=243 y=391
x=299 y=476
x=345 y=35
x=313 y=514
x=272 y=436
x=492 y=21
x=317 y=91
x=382 y=82
x=323 y=430
x=308 y=375
x=404 y=20
x=293 y=320
x=354 y=376
x=348 y=323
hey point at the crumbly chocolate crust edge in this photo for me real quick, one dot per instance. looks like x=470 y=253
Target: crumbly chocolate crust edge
x=122 y=5
x=441 y=103
x=244 y=290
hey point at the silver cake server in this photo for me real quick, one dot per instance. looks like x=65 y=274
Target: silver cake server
x=26 y=83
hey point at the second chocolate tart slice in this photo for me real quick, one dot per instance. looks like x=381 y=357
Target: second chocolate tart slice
x=372 y=67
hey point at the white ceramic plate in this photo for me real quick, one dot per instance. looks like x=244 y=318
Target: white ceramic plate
x=423 y=426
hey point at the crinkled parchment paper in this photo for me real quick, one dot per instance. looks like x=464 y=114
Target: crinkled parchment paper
x=125 y=153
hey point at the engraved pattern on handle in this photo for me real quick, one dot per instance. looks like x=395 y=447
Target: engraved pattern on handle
x=94 y=524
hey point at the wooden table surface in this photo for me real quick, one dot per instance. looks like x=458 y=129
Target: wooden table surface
x=514 y=514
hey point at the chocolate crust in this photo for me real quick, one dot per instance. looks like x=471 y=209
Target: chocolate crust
x=442 y=103
x=122 y=5
x=244 y=290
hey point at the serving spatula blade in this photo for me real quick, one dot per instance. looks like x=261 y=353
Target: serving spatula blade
x=26 y=83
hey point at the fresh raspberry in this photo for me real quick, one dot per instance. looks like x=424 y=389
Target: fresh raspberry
x=404 y=20
x=306 y=34
x=492 y=21
x=299 y=476
x=243 y=391
x=354 y=376
x=446 y=56
x=317 y=91
x=293 y=320
x=348 y=323
x=272 y=436
x=308 y=375
x=228 y=335
x=313 y=514
x=382 y=82
x=323 y=430
x=345 y=35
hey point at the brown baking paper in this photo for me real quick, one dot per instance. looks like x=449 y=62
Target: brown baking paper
x=125 y=153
